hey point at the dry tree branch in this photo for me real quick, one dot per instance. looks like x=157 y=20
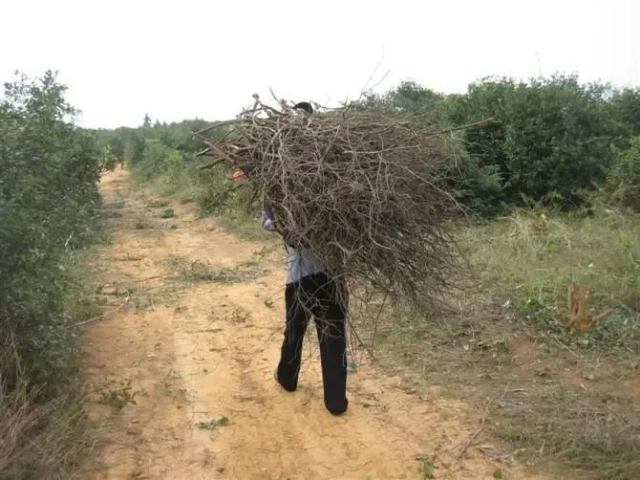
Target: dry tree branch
x=212 y=164
x=369 y=193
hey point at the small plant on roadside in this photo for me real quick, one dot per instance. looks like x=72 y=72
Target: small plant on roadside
x=140 y=224
x=167 y=213
x=120 y=397
x=197 y=271
x=427 y=466
x=159 y=203
x=239 y=316
x=172 y=390
x=213 y=423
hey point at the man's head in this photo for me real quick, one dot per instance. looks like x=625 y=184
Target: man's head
x=304 y=106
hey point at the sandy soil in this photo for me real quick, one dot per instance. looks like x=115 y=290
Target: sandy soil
x=192 y=351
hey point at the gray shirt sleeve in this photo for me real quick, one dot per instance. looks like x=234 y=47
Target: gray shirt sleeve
x=267 y=222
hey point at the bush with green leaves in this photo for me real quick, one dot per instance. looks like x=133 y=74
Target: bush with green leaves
x=49 y=203
x=126 y=144
x=624 y=181
x=624 y=111
x=129 y=144
x=408 y=98
x=153 y=161
x=165 y=155
x=545 y=140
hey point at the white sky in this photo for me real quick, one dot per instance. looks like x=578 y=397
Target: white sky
x=189 y=58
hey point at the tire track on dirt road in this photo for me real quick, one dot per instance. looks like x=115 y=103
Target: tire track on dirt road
x=192 y=351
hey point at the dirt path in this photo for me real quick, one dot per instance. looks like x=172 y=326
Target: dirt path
x=192 y=351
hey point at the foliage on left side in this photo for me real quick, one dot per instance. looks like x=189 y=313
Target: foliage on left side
x=49 y=202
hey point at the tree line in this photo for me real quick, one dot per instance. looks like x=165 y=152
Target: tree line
x=552 y=141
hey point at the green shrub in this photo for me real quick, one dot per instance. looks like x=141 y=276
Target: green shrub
x=48 y=206
x=544 y=140
x=408 y=98
x=167 y=159
x=153 y=160
x=624 y=182
x=481 y=186
x=624 y=111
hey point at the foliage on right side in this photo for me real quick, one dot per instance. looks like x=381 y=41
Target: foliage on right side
x=544 y=141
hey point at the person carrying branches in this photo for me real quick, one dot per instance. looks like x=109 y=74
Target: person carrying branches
x=312 y=291
x=360 y=194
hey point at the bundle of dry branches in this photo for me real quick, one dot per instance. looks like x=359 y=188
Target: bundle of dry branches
x=368 y=192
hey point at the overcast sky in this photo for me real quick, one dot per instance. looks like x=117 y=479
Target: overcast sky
x=187 y=58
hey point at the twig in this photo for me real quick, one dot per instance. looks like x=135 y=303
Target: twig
x=483 y=422
x=153 y=277
x=377 y=320
x=566 y=347
x=475 y=434
x=366 y=89
x=261 y=348
x=216 y=148
x=354 y=332
x=104 y=315
x=628 y=309
x=212 y=164
x=604 y=314
x=262 y=108
x=204 y=152
x=216 y=125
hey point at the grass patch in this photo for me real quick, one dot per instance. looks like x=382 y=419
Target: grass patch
x=248 y=227
x=577 y=416
x=215 y=194
x=111 y=214
x=197 y=271
x=594 y=433
x=427 y=466
x=38 y=438
x=570 y=402
x=159 y=203
x=167 y=213
x=119 y=396
x=213 y=423
x=527 y=262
